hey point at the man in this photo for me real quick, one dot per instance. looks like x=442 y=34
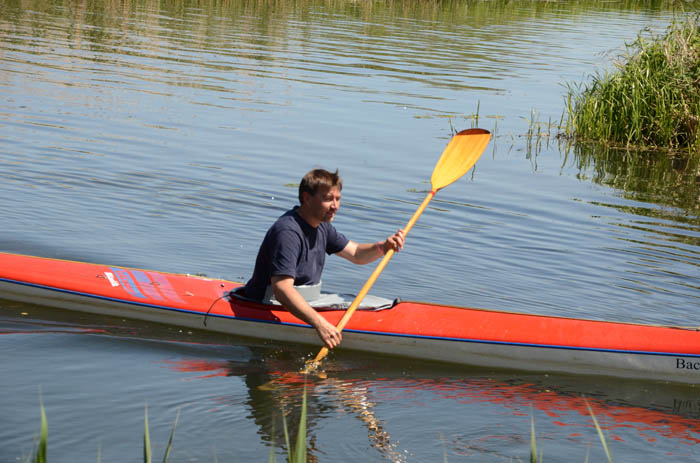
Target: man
x=294 y=250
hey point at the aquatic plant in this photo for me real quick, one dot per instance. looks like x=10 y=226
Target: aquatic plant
x=651 y=99
x=43 y=439
x=533 y=442
x=147 y=453
x=296 y=453
x=42 y=443
x=534 y=458
x=600 y=433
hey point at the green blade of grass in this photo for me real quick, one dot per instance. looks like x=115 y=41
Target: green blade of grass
x=533 y=443
x=600 y=433
x=146 y=440
x=286 y=439
x=300 y=448
x=170 y=440
x=43 y=439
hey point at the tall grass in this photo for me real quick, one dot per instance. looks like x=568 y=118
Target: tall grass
x=650 y=99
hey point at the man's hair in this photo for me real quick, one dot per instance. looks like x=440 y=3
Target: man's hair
x=316 y=179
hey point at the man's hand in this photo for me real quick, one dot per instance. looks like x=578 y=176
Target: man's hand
x=394 y=242
x=329 y=334
x=289 y=297
x=369 y=252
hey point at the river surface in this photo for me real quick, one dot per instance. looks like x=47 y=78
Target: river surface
x=169 y=135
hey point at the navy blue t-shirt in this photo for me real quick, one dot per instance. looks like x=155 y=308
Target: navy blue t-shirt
x=293 y=248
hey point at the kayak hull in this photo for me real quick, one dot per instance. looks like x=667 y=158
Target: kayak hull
x=458 y=335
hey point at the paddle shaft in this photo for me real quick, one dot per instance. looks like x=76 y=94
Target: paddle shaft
x=460 y=154
x=368 y=285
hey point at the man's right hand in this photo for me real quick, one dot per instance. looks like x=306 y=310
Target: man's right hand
x=289 y=297
x=329 y=334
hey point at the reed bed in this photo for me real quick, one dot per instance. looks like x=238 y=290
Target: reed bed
x=651 y=98
x=296 y=452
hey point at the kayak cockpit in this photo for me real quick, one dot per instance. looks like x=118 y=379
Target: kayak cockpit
x=326 y=301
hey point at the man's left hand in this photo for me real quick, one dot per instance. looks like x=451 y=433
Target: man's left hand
x=394 y=242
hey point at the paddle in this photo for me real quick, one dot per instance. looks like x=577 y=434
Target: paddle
x=461 y=153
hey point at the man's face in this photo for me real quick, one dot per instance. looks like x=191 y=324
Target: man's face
x=324 y=204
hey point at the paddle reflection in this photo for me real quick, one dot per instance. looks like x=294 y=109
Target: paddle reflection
x=276 y=395
x=649 y=411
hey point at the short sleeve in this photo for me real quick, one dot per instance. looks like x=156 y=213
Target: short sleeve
x=335 y=241
x=284 y=254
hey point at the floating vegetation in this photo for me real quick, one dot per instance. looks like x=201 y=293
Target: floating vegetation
x=650 y=100
x=473 y=117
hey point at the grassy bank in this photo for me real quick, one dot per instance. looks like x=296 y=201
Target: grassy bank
x=651 y=99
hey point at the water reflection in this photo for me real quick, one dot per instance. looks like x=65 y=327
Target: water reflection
x=275 y=395
x=646 y=412
x=227 y=46
x=671 y=180
x=480 y=411
x=661 y=232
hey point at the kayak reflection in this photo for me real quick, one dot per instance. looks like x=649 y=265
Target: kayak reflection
x=276 y=395
x=647 y=411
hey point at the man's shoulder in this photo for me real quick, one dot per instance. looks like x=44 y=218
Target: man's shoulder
x=336 y=240
x=327 y=227
x=286 y=221
x=286 y=227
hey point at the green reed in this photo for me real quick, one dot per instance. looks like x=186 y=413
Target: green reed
x=296 y=453
x=147 y=453
x=650 y=99
x=43 y=438
x=600 y=433
x=533 y=442
x=534 y=458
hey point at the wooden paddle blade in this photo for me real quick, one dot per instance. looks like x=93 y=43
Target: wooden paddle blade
x=459 y=156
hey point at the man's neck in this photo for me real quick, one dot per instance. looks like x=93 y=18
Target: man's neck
x=308 y=218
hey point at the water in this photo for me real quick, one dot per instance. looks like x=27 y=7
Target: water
x=169 y=135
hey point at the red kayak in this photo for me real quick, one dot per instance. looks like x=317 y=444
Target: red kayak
x=420 y=330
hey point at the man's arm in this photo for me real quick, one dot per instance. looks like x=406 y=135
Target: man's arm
x=364 y=253
x=288 y=296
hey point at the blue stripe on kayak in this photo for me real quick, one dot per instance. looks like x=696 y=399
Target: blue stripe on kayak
x=377 y=333
x=127 y=282
x=146 y=285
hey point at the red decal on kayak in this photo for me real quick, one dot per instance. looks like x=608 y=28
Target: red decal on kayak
x=146 y=285
x=164 y=286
